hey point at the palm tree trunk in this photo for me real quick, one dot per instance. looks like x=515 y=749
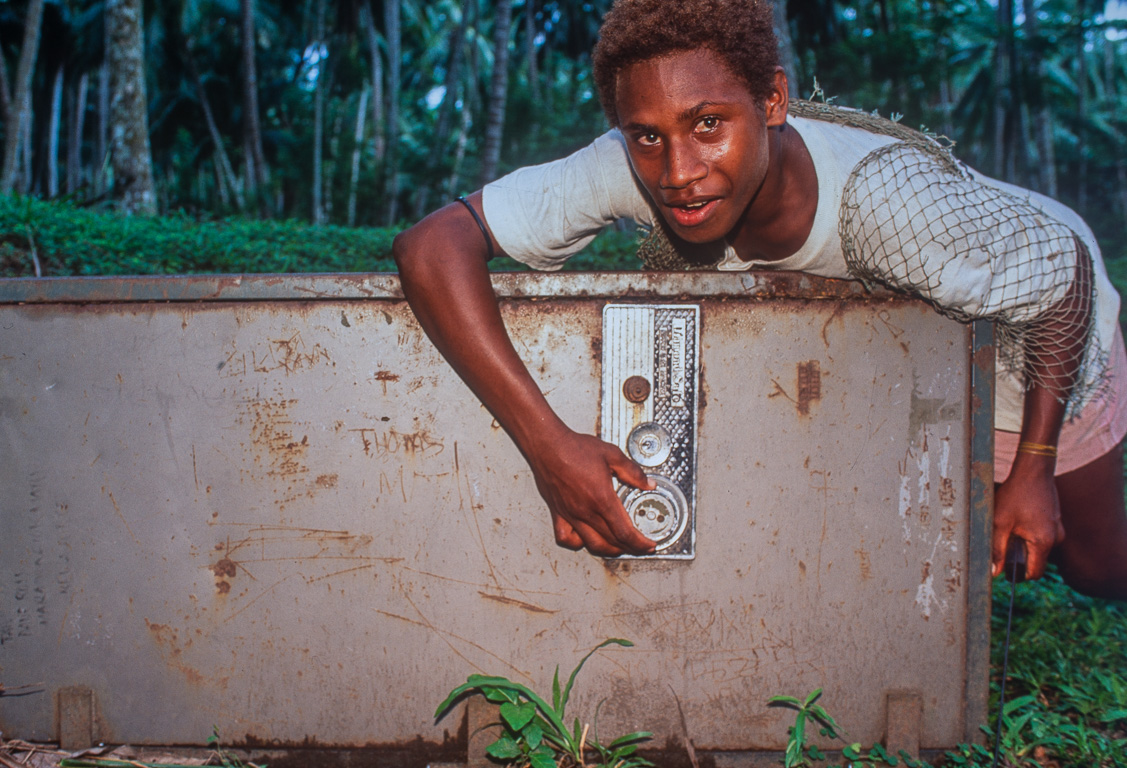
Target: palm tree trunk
x=225 y=173
x=1081 y=111
x=77 y=129
x=530 y=54
x=257 y=176
x=391 y=157
x=1002 y=85
x=369 y=27
x=442 y=125
x=787 y=58
x=54 y=126
x=129 y=130
x=498 y=92
x=354 y=180
x=5 y=96
x=459 y=152
x=102 y=148
x=17 y=126
x=319 y=116
x=1039 y=110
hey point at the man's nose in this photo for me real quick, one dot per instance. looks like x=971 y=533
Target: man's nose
x=683 y=166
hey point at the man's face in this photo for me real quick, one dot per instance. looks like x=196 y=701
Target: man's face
x=697 y=140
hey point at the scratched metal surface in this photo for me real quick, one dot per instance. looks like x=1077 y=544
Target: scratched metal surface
x=289 y=519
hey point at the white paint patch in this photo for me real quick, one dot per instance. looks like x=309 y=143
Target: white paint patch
x=925 y=596
x=905 y=504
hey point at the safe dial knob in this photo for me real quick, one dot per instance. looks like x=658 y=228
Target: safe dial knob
x=649 y=444
x=660 y=514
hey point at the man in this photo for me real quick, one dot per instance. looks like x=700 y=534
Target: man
x=703 y=149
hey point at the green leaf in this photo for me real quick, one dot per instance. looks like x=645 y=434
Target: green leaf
x=541 y=760
x=812 y=697
x=852 y=751
x=503 y=749
x=518 y=715
x=1018 y=703
x=556 y=690
x=785 y=701
x=571 y=679
x=533 y=734
x=631 y=737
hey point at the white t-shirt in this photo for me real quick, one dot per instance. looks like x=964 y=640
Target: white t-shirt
x=543 y=214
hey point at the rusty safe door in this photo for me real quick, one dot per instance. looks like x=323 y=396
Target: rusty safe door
x=266 y=504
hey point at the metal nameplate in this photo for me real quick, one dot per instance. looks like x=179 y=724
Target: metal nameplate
x=649 y=410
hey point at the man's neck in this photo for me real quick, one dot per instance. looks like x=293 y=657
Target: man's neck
x=779 y=219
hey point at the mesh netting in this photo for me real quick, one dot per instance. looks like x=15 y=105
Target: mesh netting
x=914 y=220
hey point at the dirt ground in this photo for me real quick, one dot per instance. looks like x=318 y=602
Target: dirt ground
x=21 y=754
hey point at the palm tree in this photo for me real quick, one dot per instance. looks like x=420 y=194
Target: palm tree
x=129 y=130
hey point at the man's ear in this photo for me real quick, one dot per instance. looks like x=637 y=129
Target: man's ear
x=777 y=100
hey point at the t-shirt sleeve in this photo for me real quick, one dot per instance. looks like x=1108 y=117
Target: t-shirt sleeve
x=914 y=219
x=543 y=214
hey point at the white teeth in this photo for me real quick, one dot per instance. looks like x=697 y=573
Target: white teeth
x=695 y=205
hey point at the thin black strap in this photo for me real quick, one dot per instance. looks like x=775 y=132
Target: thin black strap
x=481 y=226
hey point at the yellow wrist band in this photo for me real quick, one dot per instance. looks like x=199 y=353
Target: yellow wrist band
x=1037 y=449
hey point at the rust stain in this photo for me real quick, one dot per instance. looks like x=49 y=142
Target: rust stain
x=272 y=428
x=326 y=481
x=946 y=492
x=171 y=650
x=984 y=358
x=518 y=603
x=865 y=562
x=983 y=472
x=223 y=587
x=225 y=567
x=809 y=385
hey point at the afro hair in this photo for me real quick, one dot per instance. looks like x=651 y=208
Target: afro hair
x=741 y=32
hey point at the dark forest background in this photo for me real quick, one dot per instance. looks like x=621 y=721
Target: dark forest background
x=337 y=121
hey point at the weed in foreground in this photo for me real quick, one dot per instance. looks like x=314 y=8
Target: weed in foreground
x=534 y=733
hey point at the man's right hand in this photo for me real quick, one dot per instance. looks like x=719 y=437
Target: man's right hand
x=574 y=478
x=442 y=268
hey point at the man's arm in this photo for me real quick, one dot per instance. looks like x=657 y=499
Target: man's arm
x=442 y=267
x=1026 y=504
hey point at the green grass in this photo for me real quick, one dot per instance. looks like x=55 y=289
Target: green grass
x=73 y=241
x=1067 y=676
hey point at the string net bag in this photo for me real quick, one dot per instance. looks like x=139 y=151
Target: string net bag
x=915 y=220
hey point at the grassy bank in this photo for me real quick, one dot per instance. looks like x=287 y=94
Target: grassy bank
x=71 y=241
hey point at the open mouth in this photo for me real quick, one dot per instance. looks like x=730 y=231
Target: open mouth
x=692 y=214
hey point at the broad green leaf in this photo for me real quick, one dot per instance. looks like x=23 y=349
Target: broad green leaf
x=852 y=751
x=503 y=749
x=541 y=760
x=533 y=734
x=518 y=715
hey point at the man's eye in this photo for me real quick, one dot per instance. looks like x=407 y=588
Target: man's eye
x=648 y=139
x=708 y=124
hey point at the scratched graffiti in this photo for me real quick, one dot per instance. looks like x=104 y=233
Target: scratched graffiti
x=288 y=354
x=383 y=442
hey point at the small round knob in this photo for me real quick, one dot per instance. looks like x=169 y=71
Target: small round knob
x=649 y=444
x=636 y=389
